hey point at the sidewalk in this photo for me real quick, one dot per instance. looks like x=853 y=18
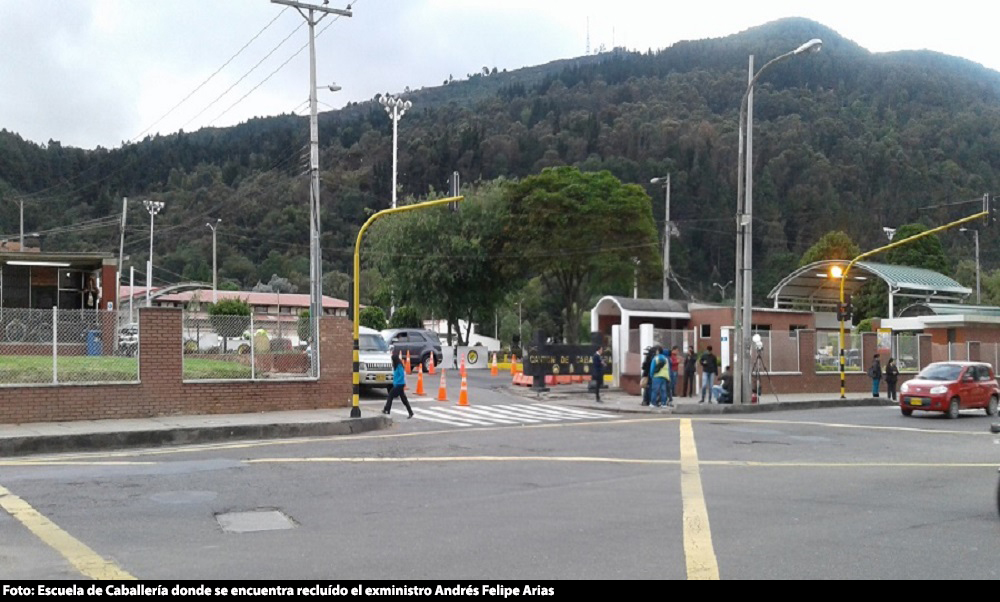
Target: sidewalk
x=95 y=435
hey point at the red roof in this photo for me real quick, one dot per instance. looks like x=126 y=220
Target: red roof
x=205 y=296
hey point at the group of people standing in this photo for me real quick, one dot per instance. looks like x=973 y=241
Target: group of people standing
x=661 y=371
x=891 y=376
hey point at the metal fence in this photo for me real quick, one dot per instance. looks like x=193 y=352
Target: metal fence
x=238 y=348
x=949 y=352
x=906 y=350
x=828 y=352
x=778 y=352
x=52 y=346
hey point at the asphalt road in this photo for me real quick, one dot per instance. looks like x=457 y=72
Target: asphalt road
x=853 y=493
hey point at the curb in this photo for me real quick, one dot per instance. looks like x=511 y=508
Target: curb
x=105 y=441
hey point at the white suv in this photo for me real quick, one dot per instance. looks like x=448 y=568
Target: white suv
x=375 y=363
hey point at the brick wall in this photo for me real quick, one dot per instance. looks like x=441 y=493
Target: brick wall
x=162 y=392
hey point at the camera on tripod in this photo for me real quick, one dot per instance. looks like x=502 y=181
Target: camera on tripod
x=757 y=342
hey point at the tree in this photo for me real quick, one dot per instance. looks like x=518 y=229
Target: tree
x=581 y=232
x=833 y=245
x=372 y=317
x=275 y=285
x=230 y=318
x=406 y=317
x=925 y=252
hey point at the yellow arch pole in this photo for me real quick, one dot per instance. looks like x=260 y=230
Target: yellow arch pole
x=899 y=243
x=356 y=377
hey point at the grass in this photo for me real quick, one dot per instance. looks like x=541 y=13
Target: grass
x=37 y=369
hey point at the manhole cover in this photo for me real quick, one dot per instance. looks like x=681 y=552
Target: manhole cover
x=254 y=520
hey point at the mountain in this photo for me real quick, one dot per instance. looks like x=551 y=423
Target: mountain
x=843 y=139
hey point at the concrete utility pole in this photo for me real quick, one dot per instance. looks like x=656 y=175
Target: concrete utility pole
x=667 y=231
x=308 y=12
x=121 y=249
x=215 y=271
x=22 y=224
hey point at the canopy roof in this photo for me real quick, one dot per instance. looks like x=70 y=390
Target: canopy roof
x=813 y=285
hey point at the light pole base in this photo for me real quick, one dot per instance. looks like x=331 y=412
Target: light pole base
x=355 y=412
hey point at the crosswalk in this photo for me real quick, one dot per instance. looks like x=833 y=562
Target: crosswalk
x=499 y=415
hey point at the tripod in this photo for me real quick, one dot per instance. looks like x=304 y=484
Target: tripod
x=758 y=364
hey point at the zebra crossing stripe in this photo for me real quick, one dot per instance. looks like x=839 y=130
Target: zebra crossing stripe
x=585 y=413
x=482 y=413
x=557 y=412
x=517 y=414
x=422 y=415
x=448 y=414
x=525 y=410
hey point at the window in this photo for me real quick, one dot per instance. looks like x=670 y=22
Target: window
x=794 y=328
x=706 y=331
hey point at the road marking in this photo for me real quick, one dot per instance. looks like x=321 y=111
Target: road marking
x=569 y=410
x=432 y=459
x=451 y=414
x=698 y=550
x=85 y=560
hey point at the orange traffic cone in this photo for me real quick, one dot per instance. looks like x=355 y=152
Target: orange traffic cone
x=420 y=382
x=432 y=364
x=407 y=363
x=461 y=367
x=463 y=395
x=494 y=371
x=513 y=362
x=442 y=392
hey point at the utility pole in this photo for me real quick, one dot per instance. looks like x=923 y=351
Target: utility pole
x=121 y=249
x=215 y=271
x=153 y=207
x=308 y=12
x=22 y=224
x=667 y=231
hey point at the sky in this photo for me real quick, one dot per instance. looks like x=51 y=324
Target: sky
x=90 y=73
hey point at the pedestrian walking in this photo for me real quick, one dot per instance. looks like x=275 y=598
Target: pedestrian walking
x=875 y=372
x=675 y=364
x=661 y=380
x=690 y=368
x=709 y=368
x=891 y=376
x=597 y=373
x=398 y=384
x=647 y=375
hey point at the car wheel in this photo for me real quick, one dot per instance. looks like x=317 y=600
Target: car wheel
x=906 y=411
x=991 y=409
x=953 y=408
x=426 y=363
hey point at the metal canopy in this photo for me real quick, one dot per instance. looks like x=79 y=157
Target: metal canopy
x=814 y=287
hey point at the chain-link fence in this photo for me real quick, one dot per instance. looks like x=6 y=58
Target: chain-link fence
x=906 y=350
x=828 y=352
x=240 y=348
x=778 y=352
x=66 y=346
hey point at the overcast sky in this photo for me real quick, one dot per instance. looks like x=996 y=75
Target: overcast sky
x=93 y=73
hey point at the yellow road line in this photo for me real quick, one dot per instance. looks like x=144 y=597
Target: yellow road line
x=698 y=550
x=85 y=560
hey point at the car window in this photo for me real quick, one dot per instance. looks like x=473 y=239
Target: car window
x=942 y=372
x=984 y=373
x=372 y=342
x=400 y=338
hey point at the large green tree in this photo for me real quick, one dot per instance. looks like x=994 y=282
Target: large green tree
x=833 y=245
x=583 y=234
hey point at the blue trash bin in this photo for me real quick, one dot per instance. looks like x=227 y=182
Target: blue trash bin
x=94 y=342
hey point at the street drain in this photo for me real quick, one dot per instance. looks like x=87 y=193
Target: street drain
x=254 y=520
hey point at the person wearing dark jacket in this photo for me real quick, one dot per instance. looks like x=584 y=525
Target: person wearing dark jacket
x=597 y=374
x=690 y=369
x=875 y=372
x=891 y=376
x=709 y=368
x=646 y=363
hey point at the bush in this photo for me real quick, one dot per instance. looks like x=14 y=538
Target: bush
x=372 y=317
x=405 y=317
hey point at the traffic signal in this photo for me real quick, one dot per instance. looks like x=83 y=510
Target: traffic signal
x=845 y=311
x=990 y=210
x=454 y=186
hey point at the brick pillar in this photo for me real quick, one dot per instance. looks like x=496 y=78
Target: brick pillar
x=336 y=337
x=974 y=352
x=869 y=347
x=807 y=352
x=925 y=344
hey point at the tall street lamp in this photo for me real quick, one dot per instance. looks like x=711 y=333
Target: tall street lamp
x=975 y=233
x=308 y=12
x=395 y=107
x=153 y=207
x=215 y=271
x=744 y=239
x=665 y=180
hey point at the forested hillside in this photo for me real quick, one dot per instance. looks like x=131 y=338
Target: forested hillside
x=843 y=140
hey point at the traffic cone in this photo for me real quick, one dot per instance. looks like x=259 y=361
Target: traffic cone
x=494 y=371
x=442 y=393
x=420 y=382
x=407 y=363
x=463 y=395
x=513 y=362
x=432 y=365
x=461 y=367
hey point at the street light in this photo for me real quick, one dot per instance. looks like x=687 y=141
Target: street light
x=665 y=180
x=723 y=287
x=743 y=310
x=153 y=207
x=215 y=272
x=395 y=107
x=975 y=233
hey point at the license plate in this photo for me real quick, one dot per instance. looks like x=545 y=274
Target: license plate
x=916 y=401
x=386 y=377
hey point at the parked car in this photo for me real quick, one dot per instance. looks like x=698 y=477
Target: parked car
x=375 y=364
x=422 y=345
x=950 y=387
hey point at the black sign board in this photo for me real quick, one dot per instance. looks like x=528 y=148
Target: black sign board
x=556 y=360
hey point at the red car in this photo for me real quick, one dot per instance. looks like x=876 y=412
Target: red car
x=949 y=387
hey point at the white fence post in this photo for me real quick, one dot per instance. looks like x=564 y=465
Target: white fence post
x=55 y=345
x=253 y=362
